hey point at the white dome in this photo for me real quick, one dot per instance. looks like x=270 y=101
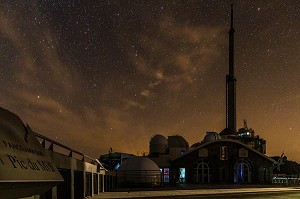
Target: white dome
x=159 y=139
x=158 y=144
x=138 y=163
x=211 y=136
x=137 y=171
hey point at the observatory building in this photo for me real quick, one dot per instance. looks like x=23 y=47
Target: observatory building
x=163 y=150
x=217 y=160
x=231 y=156
x=212 y=160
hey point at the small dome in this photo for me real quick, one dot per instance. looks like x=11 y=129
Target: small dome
x=211 y=136
x=195 y=145
x=138 y=171
x=159 y=139
x=158 y=144
x=138 y=163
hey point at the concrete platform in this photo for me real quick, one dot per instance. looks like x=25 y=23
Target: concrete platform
x=209 y=192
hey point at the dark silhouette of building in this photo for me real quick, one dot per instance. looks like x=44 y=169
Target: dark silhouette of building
x=113 y=160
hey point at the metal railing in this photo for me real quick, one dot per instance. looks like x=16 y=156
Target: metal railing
x=71 y=151
x=286 y=180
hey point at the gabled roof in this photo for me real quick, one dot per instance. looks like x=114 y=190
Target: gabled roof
x=226 y=140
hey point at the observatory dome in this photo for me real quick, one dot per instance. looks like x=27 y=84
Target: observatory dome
x=137 y=171
x=158 y=144
x=159 y=139
x=211 y=136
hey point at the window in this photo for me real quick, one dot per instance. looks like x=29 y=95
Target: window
x=181 y=175
x=223 y=153
x=243 y=153
x=166 y=175
x=264 y=174
x=242 y=171
x=202 y=172
x=203 y=153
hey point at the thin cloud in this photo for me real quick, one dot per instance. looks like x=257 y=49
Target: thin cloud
x=132 y=104
x=146 y=93
x=177 y=64
x=154 y=84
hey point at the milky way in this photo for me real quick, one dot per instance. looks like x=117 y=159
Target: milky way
x=99 y=74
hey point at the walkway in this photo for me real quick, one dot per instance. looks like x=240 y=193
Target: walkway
x=194 y=192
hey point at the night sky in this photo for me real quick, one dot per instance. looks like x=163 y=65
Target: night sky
x=99 y=74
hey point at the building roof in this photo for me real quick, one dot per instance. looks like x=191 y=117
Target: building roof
x=227 y=140
x=158 y=139
x=177 y=141
x=115 y=155
x=211 y=136
x=138 y=163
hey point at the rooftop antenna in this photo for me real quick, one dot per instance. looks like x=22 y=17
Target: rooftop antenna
x=232 y=16
x=231 y=45
x=245 y=124
x=230 y=83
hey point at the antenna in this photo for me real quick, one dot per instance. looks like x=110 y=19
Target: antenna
x=231 y=103
x=230 y=84
x=245 y=124
x=231 y=16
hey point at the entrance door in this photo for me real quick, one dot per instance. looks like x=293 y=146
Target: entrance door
x=223 y=175
x=64 y=189
x=242 y=172
x=88 y=184
x=78 y=185
x=96 y=184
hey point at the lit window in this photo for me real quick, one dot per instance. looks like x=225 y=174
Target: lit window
x=223 y=153
x=166 y=175
x=117 y=166
x=181 y=175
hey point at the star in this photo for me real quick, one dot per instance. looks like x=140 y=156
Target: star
x=141 y=67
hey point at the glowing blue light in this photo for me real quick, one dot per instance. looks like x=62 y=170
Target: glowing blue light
x=117 y=166
x=181 y=174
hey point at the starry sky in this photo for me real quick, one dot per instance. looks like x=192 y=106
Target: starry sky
x=99 y=74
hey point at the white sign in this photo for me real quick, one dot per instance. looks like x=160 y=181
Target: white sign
x=22 y=158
